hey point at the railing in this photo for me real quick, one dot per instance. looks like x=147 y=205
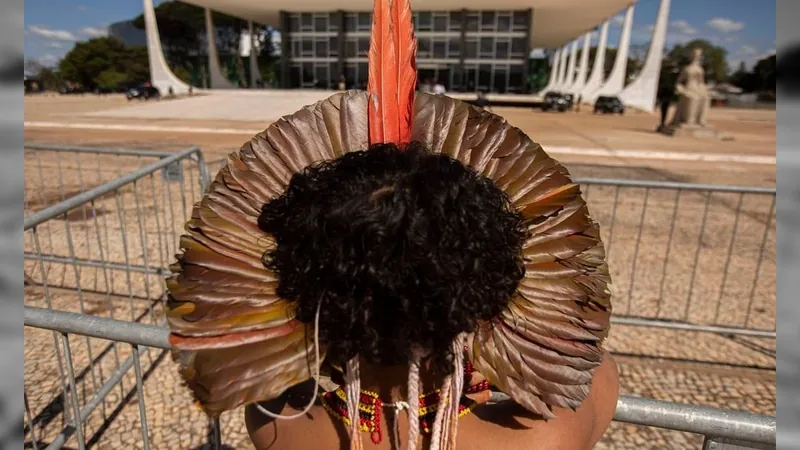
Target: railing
x=692 y=257
x=101 y=248
x=716 y=425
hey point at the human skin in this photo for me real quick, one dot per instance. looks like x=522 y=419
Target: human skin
x=497 y=426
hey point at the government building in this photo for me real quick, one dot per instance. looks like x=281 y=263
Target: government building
x=462 y=45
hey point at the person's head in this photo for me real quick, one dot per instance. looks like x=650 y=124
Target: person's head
x=404 y=249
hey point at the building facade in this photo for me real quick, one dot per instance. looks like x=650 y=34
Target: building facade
x=464 y=50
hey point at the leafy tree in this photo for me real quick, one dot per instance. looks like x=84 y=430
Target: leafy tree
x=105 y=62
x=715 y=61
x=764 y=71
x=744 y=79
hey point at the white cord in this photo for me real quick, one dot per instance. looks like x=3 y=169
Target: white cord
x=316 y=379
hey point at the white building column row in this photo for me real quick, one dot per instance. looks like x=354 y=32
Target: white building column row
x=255 y=73
x=218 y=80
x=640 y=93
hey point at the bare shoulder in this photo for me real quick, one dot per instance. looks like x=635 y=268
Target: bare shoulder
x=510 y=426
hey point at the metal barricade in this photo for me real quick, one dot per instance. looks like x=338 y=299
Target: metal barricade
x=715 y=425
x=687 y=256
x=101 y=250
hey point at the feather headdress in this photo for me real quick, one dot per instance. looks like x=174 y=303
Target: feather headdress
x=237 y=342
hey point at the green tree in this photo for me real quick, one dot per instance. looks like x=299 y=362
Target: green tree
x=715 y=61
x=744 y=79
x=104 y=62
x=49 y=78
x=764 y=72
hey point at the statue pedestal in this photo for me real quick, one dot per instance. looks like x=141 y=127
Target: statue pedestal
x=694 y=131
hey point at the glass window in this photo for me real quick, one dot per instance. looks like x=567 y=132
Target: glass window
x=424 y=21
x=440 y=22
x=473 y=20
x=520 y=21
x=306 y=23
x=296 y=49
x=295 y=77
x=454 y=50
x=321 y=75
x=487 y=46
x=351 y=48
x=500 y=79
x=363 y=75
x=516 y=81
x=440 y=48
x=321 y=48
x=364 y=21
x=294 y=22
x=363 y=46
x=424 y=47
x=308 y=48
x=484 y=76
x=504 y=22
x=518 y=47
x=308 y=73
x=470 y=74
x=471 y=49
x=501 y=48
x=487 y=20
x=320 y=23
x=350 y=21
x=333 y=46
x=455 y=21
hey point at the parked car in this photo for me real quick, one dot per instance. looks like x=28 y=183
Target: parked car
x=68 y=90
x=609 y=105
x=557 y=101
x=143 y=93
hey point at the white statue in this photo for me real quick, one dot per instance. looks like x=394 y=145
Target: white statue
x=695 y=100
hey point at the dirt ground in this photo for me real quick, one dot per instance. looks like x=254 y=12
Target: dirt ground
x=693 y=256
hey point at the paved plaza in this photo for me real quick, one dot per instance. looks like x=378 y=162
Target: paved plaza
x=657 y=242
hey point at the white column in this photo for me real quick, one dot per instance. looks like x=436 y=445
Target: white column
x=642 y=91
x=598 y=69
x=553 y=72
x=570 y=79
x=562 y=71
x=616 y=79
x=160 y=74
x=218 y=80
x=580 y=79
x=255 y=74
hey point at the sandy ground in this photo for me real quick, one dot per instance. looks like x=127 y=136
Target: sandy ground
x=690 y=256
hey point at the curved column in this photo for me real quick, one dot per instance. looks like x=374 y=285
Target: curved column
x=616 y=79
x=570 y=79
x=218 y=80
x=255 y=74
x=160 y=74
x=598 y=68
x=580 y=78
x=553 y=72
x=562 y=71
x=642 y=91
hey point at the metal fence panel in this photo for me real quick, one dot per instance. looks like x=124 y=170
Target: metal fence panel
x=99 y=249
x=688 y=256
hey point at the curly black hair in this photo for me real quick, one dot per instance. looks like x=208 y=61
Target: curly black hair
x=403 y=247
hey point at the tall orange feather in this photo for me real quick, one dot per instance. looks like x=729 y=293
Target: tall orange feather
x=392 y=72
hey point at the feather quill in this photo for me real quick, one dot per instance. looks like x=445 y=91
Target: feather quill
x=392 y=72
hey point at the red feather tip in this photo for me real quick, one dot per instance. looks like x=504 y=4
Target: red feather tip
x=392 y=72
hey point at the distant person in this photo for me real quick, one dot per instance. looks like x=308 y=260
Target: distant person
x=191 y=90
x=664 y=100
x=439 y=89
x=342 y=83
x=426 y=86
x=171 y=92
x=483 y=102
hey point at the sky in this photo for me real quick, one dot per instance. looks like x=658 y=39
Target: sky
x=746 y=28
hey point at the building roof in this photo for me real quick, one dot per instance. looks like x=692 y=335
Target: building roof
x=555 y=22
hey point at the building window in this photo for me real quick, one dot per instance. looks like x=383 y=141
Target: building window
x=473 y=21
x=504 y=22
x=471 y=48
x=364 y=21
x=424 y=21
x=455 y=21
x=294 y=22
x=487 y=21
x=321 y=48
x=440 y=49
x=306 y=23
x=320 y=23
x=487 y=48
x=440 y=22
x=363 y=47
x=518 y=46
x=520 y=21
x=501 y=49
x=423 y=47
x=454 y=49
